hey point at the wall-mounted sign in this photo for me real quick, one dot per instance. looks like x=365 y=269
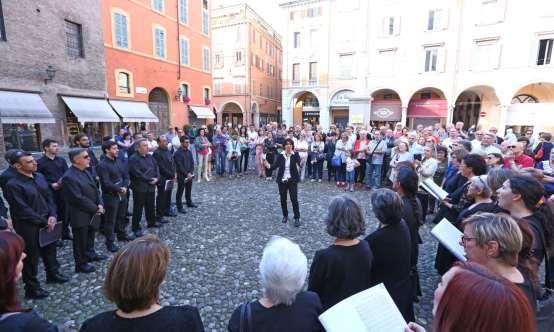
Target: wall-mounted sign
x=386 y=110
x=341 y=99
x=310 y=113
x=141 y=90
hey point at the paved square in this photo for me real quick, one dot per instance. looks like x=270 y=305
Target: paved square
x=215 y=251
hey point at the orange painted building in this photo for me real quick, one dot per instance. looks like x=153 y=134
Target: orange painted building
x=159 y=52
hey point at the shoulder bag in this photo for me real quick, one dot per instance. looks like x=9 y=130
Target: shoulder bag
x=245 y=318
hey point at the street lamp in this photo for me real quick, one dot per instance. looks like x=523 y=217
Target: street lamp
x=50 y=73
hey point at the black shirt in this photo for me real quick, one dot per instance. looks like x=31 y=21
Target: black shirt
x=338 y=272
x=536 y=224
x=142 y=169
x=413 y=221
x=166 y=165
x=167 y=319
x=113 y=175
x=52 y=169
x=184 y=162
x=30 y=199
x=300 y=316
x=25 y=321
x=6 y=176
x=93 y=163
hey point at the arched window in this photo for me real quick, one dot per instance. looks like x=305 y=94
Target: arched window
x=523 y=98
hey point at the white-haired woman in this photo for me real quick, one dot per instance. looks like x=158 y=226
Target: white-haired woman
x=284 y=306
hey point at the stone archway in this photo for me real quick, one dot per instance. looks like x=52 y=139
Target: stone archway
x=427 y=106
x=386 y=108
x=233 y=113
x=531 y=107
x=305 y=108
x=159 y=104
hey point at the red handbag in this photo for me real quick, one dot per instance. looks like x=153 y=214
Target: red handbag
x=540 y=153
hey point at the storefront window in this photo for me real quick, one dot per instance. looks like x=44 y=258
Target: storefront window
x=22 y=136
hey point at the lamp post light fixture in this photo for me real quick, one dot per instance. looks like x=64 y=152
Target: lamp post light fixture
x=50 y=74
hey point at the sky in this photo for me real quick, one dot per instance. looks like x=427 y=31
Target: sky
x=268 y=9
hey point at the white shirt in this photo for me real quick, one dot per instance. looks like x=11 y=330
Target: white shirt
x=302 y=144
x=286 y=172
x=485 y=150
x=176 y=142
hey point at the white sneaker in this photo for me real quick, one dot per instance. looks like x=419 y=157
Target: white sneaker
x=207 y=179
x=319 y=180
x=312 y=180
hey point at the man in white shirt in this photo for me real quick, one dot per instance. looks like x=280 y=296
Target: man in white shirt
x=452 y=137
x=476 y=143
x=487 y=145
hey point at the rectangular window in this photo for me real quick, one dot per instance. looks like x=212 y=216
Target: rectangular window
x=313 y=71
x=431 y=58
x=2 y=26
x=205 y=23
x=311 y=12
x=184 y=11
x=291 y=15
x=345 y=65
x=261 y=89
x=185 y=89
x=123 y=83
x=121 y=30
x=384 y=66
x=73 y=40
x=437 y=20
x=486 y=55
x=158 y=5
x=295 y=72
x=238 y=58
x=159 y=42
x=313 y=37
x=545 y=52
x=217 y=88
x=492 y=11
x=206 y=59
x=206 y=93
x=390 y=27
x=184 y=50
x=205 y=4
x=296 y=39
x=431 y=20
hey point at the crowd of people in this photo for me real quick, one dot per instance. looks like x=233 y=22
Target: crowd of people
x=499 y=195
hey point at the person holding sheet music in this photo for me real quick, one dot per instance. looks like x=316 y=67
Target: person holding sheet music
x=114 y=181
x=391 y=247
x=344 y=268
x=472 y=165
x=84 y=204
x=166 y=165
x=184 y=164
x=32 y=207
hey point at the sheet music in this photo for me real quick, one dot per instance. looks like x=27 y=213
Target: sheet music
x=370 y=310
x=432 y=188
x=450 y=237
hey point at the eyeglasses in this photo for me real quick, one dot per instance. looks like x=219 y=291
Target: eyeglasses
x=511 y=146
x=466 y=239
x=86 y=156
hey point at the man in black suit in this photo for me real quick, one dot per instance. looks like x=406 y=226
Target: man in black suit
x=53 y=168
x=114 y=181
x=32 y=207
x=184 y=162
x=166 y=165
x=83 y=202
x=144 y=175
x=82 y=141
x=288 y=164
x=9 y=172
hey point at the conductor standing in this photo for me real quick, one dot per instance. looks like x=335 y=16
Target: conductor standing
x=288 y=164
x=83 y=202
x=184 y=162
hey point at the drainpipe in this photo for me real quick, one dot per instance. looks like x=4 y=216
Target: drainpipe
x=178 y=46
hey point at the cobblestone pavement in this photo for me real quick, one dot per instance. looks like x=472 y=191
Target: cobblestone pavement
x=215 y=250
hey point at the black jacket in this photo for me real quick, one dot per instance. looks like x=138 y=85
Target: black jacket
x=141 y=171
x=113 y=175
x=82 y=197
x=31 y=201
x=184 y=162
x=280 y=164
x=52 y=169
x=93 y=163
x=166 y=165
x=25 y=321
x=6 y=176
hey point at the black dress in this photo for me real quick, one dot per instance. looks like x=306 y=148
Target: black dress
x=444 y=259
x=413 y=220
x=391 y=247
x=167 y=319
x=300 y=316
x=338 y=272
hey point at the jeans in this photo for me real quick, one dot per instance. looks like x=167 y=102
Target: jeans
x=351 y=177
x=373 y=175
x=203 y=165
x=234 y=165
x=317 y=169
x=220 y=157
x=192 y=149
x=340 y=175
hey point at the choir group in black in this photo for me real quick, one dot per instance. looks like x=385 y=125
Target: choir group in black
x=87 y=197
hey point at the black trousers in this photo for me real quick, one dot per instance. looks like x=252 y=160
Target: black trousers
x=60 y=205
x=33 y=252
x=185 y=186
x=243 y=161
x=115 y=220
x=143 y=201
x=163 y=199
x=270 y=157
x=83 y=244
x=292 y=188
x=360 y=171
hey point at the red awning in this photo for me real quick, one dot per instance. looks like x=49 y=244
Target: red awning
x=428 y=108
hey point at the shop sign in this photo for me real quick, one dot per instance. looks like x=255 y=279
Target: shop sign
x=341 y=98
x=141 y=90
x=310 y=113
x=386 y=110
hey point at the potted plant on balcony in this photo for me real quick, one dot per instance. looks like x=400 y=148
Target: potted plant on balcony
x=186 y=99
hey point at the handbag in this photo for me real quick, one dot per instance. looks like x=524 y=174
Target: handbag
x=336 y=161
x=245 y=324
x=540 y=153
